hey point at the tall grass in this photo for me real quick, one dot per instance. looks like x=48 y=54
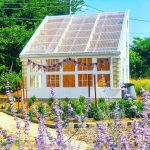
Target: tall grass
x=145 y=83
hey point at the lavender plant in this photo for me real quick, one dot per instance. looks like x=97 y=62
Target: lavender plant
x=109 y=137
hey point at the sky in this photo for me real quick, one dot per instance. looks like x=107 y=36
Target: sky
x=139 y=9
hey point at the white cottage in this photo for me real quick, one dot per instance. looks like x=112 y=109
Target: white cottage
x=70 y=52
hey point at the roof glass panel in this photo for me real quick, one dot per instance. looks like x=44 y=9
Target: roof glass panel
x=78 y=33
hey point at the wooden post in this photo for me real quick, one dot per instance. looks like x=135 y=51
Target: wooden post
x=96 y=103
x=23 y=94
x=26 y=93
x=89 y=92
x=17 y=94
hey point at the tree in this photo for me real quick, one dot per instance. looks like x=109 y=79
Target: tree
x=12 y=41
x=140 y=58
x=14 y=33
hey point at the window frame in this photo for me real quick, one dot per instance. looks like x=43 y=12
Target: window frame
x=84 y=61
x=55 y=81
x=51 y=62
x=36 y=82
x=74 y=83
x=84 y=81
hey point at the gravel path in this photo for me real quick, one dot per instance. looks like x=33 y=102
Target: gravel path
x=8 y=123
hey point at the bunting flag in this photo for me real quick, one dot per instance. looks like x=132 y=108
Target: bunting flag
x=44 y=68
x=67 y=60
x=33 y=65
x=29 y=62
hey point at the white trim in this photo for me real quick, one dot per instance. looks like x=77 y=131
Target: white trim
x=111 y=72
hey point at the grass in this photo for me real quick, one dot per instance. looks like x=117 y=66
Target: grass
x=145 y=83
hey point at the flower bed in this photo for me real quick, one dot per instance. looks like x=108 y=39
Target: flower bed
x=104 y=136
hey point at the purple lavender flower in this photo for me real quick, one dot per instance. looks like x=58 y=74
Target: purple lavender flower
x=40 y=139
x=128 y=96
x=88 y=103
x=9 y=138
x=117 y=115
x=133 y=107
x=70 y=109
x=10 y=99
x=59 y=122
x=101 y=138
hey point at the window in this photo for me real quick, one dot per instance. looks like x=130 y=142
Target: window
x=69 y=66
x=103 y=64
x=35 y=81
x=103 y=80
x=83 y=80
x=52 y=62
x=53 y=80
x=34 y=66
x=84 y=61
x=68 y=80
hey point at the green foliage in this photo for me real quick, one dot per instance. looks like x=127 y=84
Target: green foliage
x=33 y=99
x=8 y=109
x=93 y=110
x=41 y=109
x=140 y=58
x=3 y=106
x=79 y=106
x=105 y=110
x=125 y=108
x=19 y=110
x=50 y=101
x=99 y=112
x=101 y=100
x=12 y=78
x=31 y=114
x=11 y=46
x=67 y=99
x=82 y=100
x=15 y=33
x=99 y=115
x=30 y=102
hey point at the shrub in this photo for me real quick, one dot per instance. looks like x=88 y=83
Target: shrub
x=50 y=101
x=63 y=106
x=19 y=110
x=99 y=115
x=93 y=110
x=52 y=116
x=103 y=106
x=82 y=100
x=78 y=107
x=99 y=112
x=31 y=113
x=67 y=99
x=30 y=102
x=41 y=109
x=33 y=99
x=8 y=109
x=101 y=100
